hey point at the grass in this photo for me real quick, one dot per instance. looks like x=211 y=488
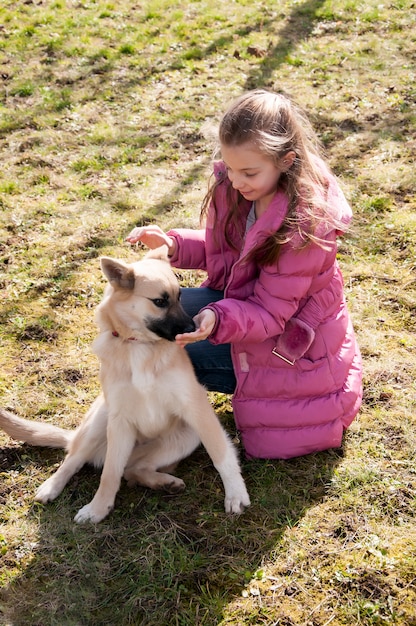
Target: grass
x=103 y=108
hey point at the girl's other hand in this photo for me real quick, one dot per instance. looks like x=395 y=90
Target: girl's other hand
x=153 y=237
x=205 y=322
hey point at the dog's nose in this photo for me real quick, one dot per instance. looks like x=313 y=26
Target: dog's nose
x=190 y=327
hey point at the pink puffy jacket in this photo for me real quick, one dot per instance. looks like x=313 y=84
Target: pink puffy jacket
x=296 y=360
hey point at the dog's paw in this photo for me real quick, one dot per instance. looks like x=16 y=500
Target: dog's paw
x=236 y=505
x=175 y=486
x=47 y=492
x=154 y=480
x=237 y=500
x=89 y=514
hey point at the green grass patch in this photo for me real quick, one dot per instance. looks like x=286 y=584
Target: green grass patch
x=103 y=110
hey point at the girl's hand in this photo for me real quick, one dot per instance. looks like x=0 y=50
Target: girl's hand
x=153 y=237
x=205 y=322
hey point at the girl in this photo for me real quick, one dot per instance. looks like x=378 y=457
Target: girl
x=274 y=291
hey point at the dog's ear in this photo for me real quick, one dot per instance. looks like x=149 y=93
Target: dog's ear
x=118 y=273
x=160 y=254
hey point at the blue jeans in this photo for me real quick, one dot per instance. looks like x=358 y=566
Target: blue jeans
x=212 y=364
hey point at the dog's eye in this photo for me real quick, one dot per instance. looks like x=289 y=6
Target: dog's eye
x=161 y=303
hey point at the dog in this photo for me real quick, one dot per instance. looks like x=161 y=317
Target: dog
x=152 y=411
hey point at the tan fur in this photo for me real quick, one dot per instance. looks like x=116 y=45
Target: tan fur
x=152 y=412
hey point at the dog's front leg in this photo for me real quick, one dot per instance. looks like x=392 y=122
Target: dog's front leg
x=222 y=452
x=120 y=444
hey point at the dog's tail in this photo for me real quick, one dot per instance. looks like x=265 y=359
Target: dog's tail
x=34 y=433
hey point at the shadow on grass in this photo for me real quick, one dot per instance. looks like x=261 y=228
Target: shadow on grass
x=157 y=560
x=299 y=26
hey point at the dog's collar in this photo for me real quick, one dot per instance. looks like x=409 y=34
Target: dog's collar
x=116 y=334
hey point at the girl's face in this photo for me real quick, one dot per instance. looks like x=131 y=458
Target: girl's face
x=252 y=174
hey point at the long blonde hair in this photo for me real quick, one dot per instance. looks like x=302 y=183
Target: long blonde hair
x=275 y=126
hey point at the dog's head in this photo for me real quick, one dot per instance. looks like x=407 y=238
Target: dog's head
x=143 y=300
